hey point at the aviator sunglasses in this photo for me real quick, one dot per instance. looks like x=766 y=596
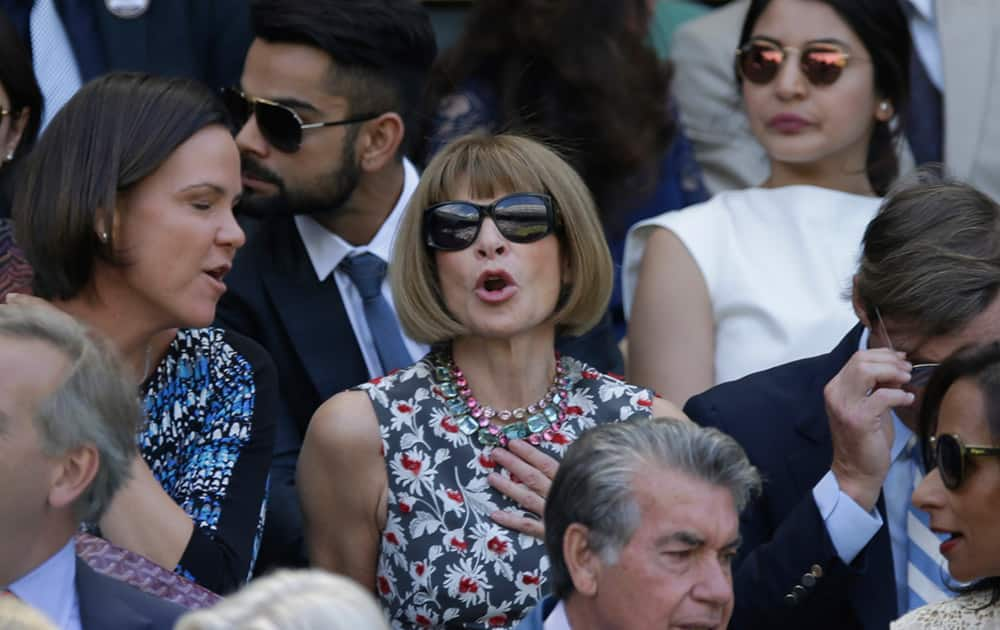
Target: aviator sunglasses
x=759 y=61
x=520 y=218
x=951 y=456
x=280 y=125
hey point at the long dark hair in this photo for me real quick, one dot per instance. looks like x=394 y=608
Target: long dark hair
x=882 y=28
x=114 y=132
x=578 y=75
x=980 y=364
x=17 y=77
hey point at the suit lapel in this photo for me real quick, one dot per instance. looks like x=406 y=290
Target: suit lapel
x=966 y=35
x=873 y=594
x=124 y=39
x=314 y=316
x=812 y=461
x=98 y=609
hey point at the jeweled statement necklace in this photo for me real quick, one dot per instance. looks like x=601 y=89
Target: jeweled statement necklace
x=535 y=423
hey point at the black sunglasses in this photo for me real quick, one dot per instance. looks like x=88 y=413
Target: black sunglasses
x=520 y=218
x=950 y=456
x=280 y=125
x=759 y=61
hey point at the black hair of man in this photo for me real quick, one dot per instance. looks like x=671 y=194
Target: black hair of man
x=382 y=50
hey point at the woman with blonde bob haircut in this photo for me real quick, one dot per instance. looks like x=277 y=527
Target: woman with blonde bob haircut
x=406 y=481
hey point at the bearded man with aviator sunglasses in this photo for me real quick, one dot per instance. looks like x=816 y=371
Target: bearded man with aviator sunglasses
x=834 y=542
x=324 y=108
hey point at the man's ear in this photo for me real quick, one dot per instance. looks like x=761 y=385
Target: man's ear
x=380 y=141
x=73 y=474
x=859 y=308
x=582 y=562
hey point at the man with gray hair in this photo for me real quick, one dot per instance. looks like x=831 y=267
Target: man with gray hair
x=68 y=421
x=641 y=525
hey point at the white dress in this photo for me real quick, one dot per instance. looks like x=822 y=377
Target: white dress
x=966 y=611
x=778 y=265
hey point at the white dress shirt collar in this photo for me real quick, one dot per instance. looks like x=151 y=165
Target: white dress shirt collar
x=924 y=7
x=51 y=588
x=326 y=249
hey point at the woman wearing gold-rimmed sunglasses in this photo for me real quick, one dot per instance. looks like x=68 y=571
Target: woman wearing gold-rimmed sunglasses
x=960 y=437
x=754 y=278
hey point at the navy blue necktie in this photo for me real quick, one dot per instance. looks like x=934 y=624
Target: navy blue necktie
x=367 y=271
x=924 y=124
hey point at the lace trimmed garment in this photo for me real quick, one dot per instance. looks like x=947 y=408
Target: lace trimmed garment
x=442 y=560
x=210 y=424
x=965 y=611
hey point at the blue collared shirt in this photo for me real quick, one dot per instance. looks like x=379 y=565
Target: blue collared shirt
x=51 y=589
x=851 y=527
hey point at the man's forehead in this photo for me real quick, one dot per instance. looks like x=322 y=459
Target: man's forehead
x=30 y=370
x=676 y=504
x=291 y=70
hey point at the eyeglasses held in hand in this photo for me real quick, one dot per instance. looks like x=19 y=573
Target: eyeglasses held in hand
x=951 y=457
x=759 y=61
x=520 y=218
x=920 y=374
x=280 y=125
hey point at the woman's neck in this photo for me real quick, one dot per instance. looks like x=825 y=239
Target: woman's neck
x=508 y=373
x=844 y=179
x=140 y=345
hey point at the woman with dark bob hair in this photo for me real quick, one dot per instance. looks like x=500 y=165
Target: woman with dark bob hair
x=406 y=481
x=20 y=111
x=960 y=436
x=755 y=278
x=126 y=215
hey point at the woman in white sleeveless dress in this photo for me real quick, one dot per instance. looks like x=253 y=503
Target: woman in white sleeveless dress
x=755 y=278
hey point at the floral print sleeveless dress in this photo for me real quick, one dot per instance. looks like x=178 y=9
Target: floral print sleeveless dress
x=443 y=562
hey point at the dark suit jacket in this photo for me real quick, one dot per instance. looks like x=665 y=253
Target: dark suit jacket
x=275 y=298
x=779 y=417
x=191 y=38
x=108 y=603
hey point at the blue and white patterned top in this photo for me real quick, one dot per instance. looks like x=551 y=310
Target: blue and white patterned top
x=209 y=433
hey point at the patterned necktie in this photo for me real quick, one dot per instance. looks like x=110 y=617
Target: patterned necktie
x=367 y=271
x=925 y=568
x=55 y=65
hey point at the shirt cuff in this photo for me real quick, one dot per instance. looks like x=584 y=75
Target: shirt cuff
x=849 y=526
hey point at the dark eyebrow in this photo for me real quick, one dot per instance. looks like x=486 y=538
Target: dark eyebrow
x=690 y=539
x=214 y=188
x=829 y=40
x=295 y=103
x=287 y=101
x=823 y=40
